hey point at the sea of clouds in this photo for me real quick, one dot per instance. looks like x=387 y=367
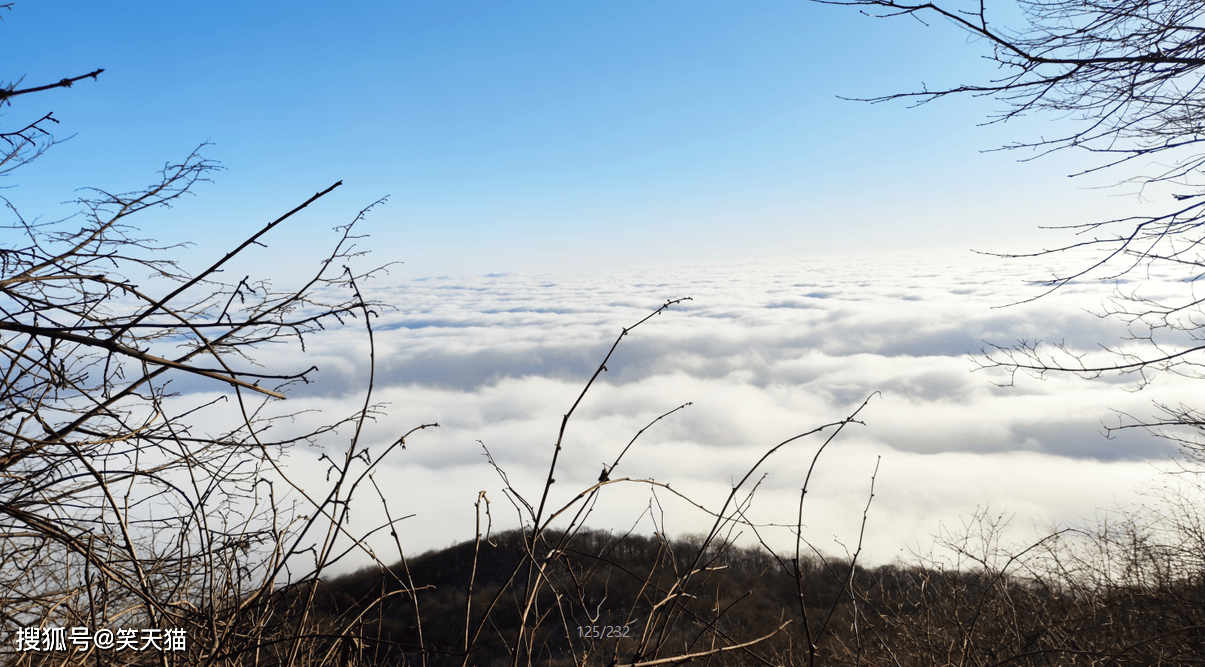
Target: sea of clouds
x=763 y=351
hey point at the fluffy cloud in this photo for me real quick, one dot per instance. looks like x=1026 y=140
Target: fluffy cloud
x=764 y=351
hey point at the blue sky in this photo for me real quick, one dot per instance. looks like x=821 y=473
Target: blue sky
x=539 y=136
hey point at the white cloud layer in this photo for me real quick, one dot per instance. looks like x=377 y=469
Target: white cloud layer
x=764 y=351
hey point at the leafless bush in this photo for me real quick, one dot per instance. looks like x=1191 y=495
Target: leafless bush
x=122 y=506
x=119 y=510
x=1118 y=593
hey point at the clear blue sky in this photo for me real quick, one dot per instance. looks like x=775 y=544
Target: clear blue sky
x=535 y=136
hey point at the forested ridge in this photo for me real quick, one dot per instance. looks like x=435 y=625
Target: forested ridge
x=686 y=596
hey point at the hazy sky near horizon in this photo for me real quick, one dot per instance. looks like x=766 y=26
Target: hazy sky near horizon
x=554 y=171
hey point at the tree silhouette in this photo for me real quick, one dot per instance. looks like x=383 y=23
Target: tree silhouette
x=1125 y=80
x=125 y=506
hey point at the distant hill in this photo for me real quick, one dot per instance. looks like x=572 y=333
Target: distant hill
x=657 y=594
x=593 y=598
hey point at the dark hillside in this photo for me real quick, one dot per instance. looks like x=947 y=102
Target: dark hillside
x=667 y=596
x=690 y=596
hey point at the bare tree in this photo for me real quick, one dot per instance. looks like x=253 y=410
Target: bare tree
x=134 y=518
x=1125 y=79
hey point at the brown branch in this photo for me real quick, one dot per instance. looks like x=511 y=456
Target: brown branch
x=702 y=654
x=114 y=346
x=63 y=83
